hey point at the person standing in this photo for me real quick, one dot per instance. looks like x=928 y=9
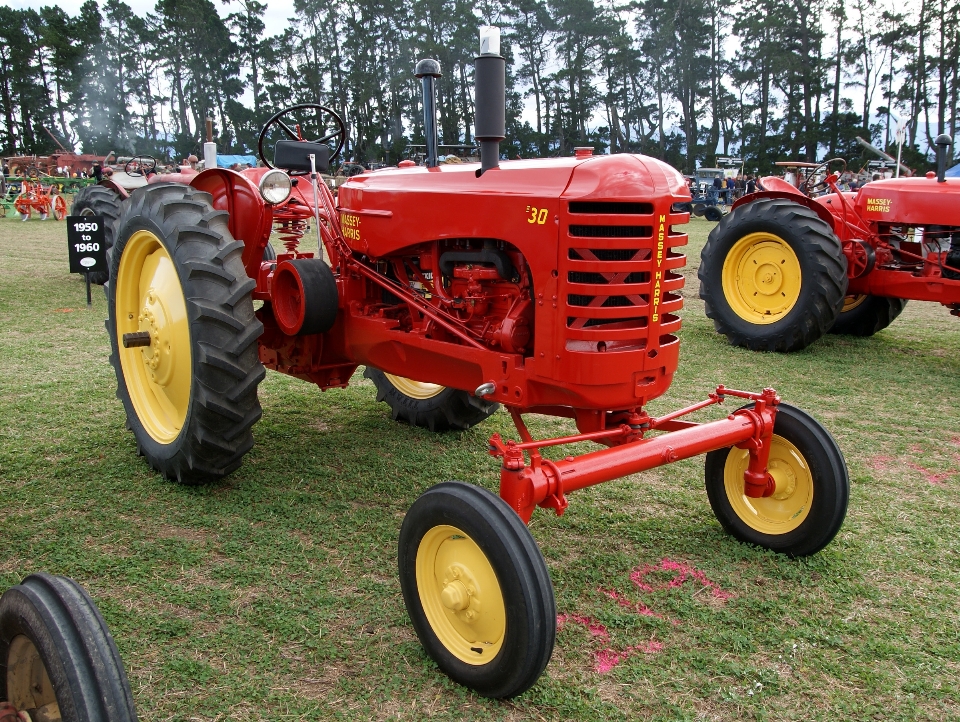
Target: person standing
x=751 y=185
x=97 y=171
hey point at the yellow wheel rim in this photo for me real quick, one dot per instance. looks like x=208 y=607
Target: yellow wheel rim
x=460 y=595
x=414 y=389
x=150 y=298
x=28 y=684
x=789 y=505
x=761 y=278
x=851 y=302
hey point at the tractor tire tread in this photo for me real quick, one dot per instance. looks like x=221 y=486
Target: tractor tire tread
x=227 y=369
x=823 y=254
x=870 y=317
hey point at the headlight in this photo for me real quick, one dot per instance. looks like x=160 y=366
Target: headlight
x=275 y=186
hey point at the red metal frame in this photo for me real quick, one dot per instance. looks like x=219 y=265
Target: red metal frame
x=552 y=284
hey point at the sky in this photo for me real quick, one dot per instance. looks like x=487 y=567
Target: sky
x=275 y=19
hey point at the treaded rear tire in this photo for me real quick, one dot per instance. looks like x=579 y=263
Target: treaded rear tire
x=449 y=409
x=77 y=651
x=223 y=330
x=99 y=201
x=823 y=273
x=874 y=314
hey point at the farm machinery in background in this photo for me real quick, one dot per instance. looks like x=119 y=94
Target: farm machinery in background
x=783 y=267
x=28 y=197
x=543 y=286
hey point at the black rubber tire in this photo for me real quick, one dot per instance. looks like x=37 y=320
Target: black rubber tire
x=449 y=409
x=78 y=654
x=831 y=488
x=223 y=404
x=269 y=253
x=823 y=268
x=874 y=314
x=712 y=213
x=522 y=574
x=99 y=201
x=698 y=209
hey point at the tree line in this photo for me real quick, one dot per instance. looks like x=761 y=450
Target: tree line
x=683 y=81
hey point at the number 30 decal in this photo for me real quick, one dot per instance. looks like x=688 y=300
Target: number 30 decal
x=537 y=215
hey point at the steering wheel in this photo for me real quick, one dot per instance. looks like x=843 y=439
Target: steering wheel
x=318 y=120
x=140 y=165
x=809 y=189
x=33 y=172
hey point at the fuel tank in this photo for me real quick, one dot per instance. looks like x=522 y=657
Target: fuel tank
x=911 y=201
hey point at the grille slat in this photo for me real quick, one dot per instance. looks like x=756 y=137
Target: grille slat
x=611 y=208
x=584 y=231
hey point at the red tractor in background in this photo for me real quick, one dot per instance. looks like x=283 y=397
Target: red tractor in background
x=785 y=267
x=544 y=286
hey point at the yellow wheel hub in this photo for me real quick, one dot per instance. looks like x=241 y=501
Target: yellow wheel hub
x=761 y=278
x=460 y=595
x=851 y=302
x=28 y=684
x=789 y=505
x=150 y=298
x=414 y=389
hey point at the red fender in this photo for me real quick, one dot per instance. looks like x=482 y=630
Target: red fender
x=250 y=216
x=779 y=188
x=119 y=190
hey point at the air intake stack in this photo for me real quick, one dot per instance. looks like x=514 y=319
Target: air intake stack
x=491 y=98
x=428 y=71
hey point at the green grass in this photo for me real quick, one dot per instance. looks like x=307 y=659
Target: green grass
x=274 y=595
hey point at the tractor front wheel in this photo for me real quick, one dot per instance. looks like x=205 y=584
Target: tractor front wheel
x=810 y=501
x=183 y=333
x=99 y=201
x=57 y=658
x=477 y=589
x=865 y=315
x=431 y=406
x=772 y=276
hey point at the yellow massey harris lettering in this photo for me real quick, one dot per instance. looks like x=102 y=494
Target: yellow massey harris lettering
x=879 y=205
x=659 y=274
x=350 y=226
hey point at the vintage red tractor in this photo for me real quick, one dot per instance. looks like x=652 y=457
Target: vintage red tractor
x=784 y=267
x=545 y=286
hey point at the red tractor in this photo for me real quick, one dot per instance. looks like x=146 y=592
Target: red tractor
x=786 y=265
x=544 y=286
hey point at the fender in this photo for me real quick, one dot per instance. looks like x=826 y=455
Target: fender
x=778 y=188
x=250 y=216
x=122 y=192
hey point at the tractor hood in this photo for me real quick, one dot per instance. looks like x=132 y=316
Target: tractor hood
x=911 y=201
x=382 y=211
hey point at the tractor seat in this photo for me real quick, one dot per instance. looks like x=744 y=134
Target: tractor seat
x=292 y=155
x=128 y=182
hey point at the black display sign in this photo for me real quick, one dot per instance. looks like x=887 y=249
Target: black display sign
x=88 y=252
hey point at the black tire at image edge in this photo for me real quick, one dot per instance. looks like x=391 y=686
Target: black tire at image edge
x=78 y=653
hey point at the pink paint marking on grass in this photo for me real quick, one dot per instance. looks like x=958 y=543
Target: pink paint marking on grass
x=931 y=476
x=684 y=573
x=607 y=659
x=880 y=463
x=638 y=607
x=593 y=626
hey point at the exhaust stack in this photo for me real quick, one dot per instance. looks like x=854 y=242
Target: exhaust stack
x=943 y=143
x=428 y=71
x=490 y=123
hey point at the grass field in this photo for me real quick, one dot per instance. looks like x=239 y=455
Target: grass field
x=274 y=594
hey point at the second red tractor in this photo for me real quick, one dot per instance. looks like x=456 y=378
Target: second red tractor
x=787 y=265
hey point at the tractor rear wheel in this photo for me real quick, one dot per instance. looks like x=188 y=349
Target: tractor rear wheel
x=865 y=314
x=57 y=658
x=99 y=201
x=772 y=276
x=810 y=502
x=477 y=589
x=183 y=333
x=431 y=406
